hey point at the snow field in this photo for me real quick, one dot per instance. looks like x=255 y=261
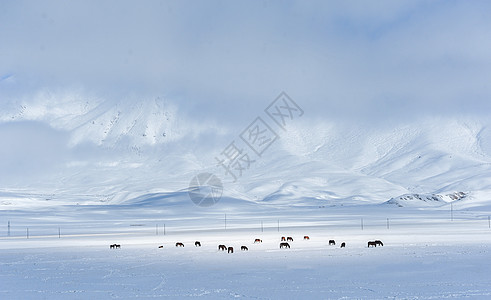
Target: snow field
x=426 y=260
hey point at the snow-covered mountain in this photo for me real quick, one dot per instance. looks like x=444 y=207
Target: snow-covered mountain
x=103 y=123
x=429 y=199
x=100 y=151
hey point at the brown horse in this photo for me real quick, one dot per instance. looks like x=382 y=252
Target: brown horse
x=372 y=243
x=197 y=244
x=332 y=242
x=343 y=244
x=284 y=245
x=258 y=241
x=306 y=237
x=179 y=245
x=244 y=248
x=379 y=243
x=222 y=247
x=230 y=250
x=283 y=238
x=289 y=239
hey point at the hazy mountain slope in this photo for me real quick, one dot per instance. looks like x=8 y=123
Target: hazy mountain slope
x=100 y=122
x=127 y=149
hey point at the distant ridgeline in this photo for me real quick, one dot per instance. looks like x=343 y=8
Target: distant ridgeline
x=422 y=200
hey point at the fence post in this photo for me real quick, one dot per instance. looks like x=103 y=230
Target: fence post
x=361 y=223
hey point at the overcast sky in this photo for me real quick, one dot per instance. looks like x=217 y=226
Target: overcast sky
x=229 y=59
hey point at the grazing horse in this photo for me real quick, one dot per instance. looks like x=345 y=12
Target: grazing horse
x=284 y=245
x=112 y=246
x=161 y=246
x=306 y=237
x=258 y=241
x=230 y=250
x=244 y=248
x=222 y=247
x=379 y=243
x=372 y=243
x=332 y=242
x=283 y=238
x=179 y=245
x=343 y=244
x=117 y=246
x=289 y=239
x=197 y=244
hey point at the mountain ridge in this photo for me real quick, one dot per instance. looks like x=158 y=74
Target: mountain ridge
x=147 y=146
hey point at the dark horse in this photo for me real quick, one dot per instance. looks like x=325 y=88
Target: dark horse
x=306 y=237
x=258 y=241
x=375 y=243
x=285 y=245
x=244 y=248
x=283 y=238
x=222 y=247
x=332 y=242
x=197 y=244
x=114 y=246
x=179 y=245
x=161 y=246
x=289 y=239
x=230 y=250
x=343 y=244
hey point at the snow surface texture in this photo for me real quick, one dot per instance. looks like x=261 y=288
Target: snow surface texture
x=425 y=255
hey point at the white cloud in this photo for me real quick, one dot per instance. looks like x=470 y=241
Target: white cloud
x=227 y=60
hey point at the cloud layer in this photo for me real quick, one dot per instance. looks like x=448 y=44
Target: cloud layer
x=228 y=60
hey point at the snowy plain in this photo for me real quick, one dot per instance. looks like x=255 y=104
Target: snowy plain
x=426 y=254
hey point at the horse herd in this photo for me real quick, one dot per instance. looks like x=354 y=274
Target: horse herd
x=283 y=244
